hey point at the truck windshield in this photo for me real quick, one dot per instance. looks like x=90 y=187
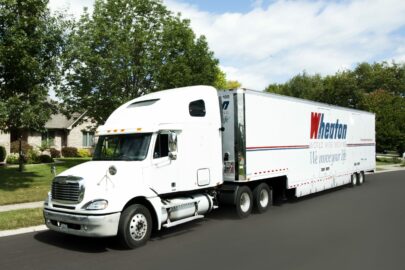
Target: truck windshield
x=122 y=147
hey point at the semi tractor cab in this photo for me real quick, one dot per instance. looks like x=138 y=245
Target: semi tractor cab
x=173 y=156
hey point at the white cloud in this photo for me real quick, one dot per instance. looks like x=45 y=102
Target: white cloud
x=275 y=41
x=74 y=7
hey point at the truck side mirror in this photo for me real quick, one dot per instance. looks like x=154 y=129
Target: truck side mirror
x=172 y=145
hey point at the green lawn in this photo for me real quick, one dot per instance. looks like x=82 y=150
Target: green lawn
x=21 y=218
x=33 y=184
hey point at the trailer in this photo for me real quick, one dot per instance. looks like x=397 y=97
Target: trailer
x=173 y=156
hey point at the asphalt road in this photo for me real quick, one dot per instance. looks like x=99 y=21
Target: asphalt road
x=347 y=228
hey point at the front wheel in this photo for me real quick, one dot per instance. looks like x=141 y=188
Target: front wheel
x=135 y=226
x=243 y=202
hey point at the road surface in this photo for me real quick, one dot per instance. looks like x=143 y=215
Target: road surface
x=347 y=228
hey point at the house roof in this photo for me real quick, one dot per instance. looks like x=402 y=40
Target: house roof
x=60 y=121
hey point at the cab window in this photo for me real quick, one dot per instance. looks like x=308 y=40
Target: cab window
x=161 y=146
x=197 y=108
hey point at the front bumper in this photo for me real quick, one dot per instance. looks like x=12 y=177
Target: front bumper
x=82 y=225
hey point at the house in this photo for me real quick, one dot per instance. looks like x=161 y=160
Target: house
x=78 y=131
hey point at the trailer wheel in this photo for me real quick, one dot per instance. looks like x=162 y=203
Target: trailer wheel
x=135 y=226
x=360 y=178
x=243 y=202
x=354 y=179
x=262 y=197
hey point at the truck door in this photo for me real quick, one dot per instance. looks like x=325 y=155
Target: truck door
x=164 y=172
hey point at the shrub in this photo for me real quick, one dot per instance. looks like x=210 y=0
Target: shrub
x=3 y=153
x=13 y=158
x=69 y=152
x=15 y=147
x=55 y=153
x=33 y=157
x=45 y=159
x=83 y=152
x=45 y=145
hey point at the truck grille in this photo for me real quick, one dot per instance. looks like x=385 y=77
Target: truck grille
x=67 y=189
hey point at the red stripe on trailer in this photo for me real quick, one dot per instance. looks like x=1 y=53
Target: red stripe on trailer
x=277 y=147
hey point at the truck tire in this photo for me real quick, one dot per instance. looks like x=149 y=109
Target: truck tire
x=360 y=178
x=262 y=198
x=135 y=226
x=243 y=202
x=354 y=179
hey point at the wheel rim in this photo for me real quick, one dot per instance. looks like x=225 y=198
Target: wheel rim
x=354 y=179
x=138 y=227
x=264 y=198
x=244 y=202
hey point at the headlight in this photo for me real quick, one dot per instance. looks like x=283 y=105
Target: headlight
x=96 y=205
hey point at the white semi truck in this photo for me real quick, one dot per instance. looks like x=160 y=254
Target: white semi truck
x=172 y=156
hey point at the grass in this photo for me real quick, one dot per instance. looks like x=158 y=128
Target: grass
x=388 y=160
x=33 y=184
x=21 y=218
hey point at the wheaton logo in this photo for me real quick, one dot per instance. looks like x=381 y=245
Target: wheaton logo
x=325 y=130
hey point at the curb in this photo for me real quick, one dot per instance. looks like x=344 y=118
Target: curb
x=394 y=170
x=38 y=228
x=397 y=169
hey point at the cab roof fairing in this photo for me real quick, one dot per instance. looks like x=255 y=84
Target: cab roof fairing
x=170 y=110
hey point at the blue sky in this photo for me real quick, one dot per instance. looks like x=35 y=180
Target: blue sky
x=259 y=42
x=222 y=6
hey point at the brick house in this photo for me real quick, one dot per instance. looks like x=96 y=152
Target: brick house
x=77 y=131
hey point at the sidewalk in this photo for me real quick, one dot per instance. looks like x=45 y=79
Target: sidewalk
x=11 y=207
x=389 y=168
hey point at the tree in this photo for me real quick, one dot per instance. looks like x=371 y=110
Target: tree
x=129 y=48
x=232 y=84
x=301 y=86
x=30 y=41
x=372 y=77
x=341 y=89
x=390 y=119
x=220 y=81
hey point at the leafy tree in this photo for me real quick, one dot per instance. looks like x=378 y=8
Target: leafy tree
x=301 y=86
x=232 y=84
x=341 y=89
x=372 y=77
x=30 y=41
x=128 y=48
x=390 y=119
x=220 y=80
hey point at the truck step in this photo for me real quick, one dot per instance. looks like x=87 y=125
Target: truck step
x=181 y=221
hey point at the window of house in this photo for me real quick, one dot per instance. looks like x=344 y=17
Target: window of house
x=48 y=137
x=197 y=108
x=161 y=146
x=88 y=138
